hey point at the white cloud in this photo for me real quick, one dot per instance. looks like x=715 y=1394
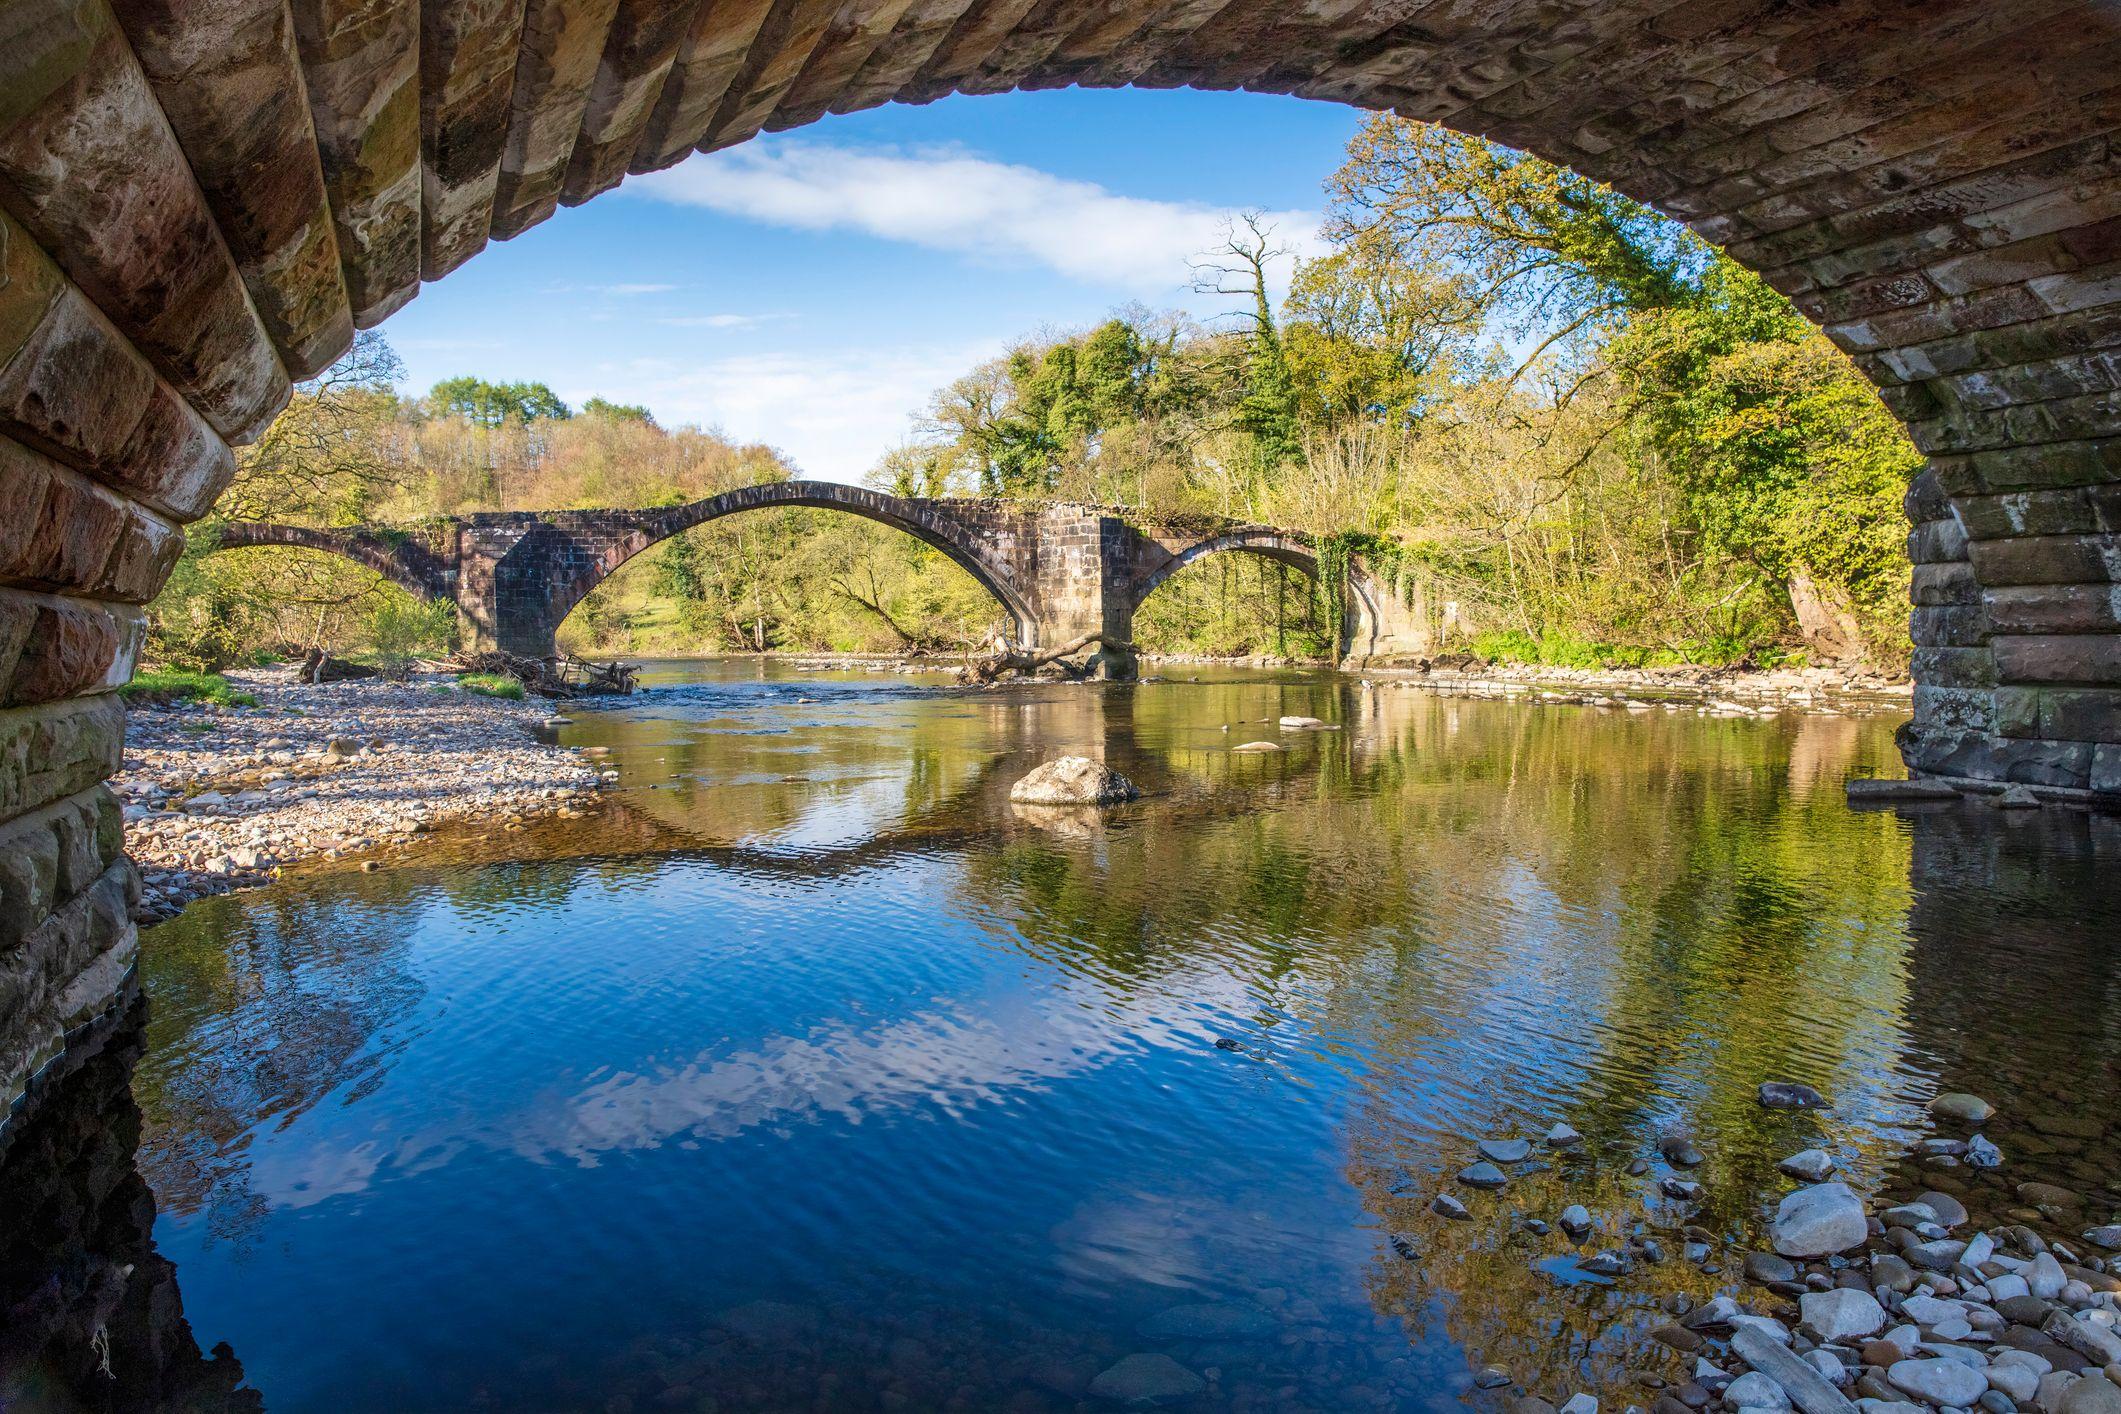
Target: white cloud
x=717 y=321
x=950 y=199
x=833 y=414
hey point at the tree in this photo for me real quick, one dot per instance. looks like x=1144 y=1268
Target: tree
x=1267 y=411
x=493 y=405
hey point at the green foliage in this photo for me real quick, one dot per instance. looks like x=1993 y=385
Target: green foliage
x=492 y=405
x=165 y=686
x=401 y=628
x=491 y=685
x=617 y=412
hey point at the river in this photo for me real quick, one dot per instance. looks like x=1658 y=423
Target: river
x=808 y=1073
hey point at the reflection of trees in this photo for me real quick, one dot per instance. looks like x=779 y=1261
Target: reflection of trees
x=90 y=1317
x=264 y=1005
x=1492 y=918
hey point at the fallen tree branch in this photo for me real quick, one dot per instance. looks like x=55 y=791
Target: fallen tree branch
x=1006 y=657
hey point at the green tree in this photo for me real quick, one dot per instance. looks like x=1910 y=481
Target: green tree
x=493 y=405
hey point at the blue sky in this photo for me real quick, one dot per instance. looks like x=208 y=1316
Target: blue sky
x=808 y=289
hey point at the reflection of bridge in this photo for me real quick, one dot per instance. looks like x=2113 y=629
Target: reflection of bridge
x=1060 y=570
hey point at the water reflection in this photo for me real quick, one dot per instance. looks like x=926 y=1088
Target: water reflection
x=809 y=1074
x=90 y=1318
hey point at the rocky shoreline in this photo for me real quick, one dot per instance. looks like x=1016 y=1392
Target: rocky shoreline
x=1880 y=1306
x=1715 y=692
x=222 y=798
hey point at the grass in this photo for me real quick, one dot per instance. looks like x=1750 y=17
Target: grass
x=166 y=686
x=492 y=685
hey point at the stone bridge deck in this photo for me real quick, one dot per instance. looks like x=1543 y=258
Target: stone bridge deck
x=1058 y=570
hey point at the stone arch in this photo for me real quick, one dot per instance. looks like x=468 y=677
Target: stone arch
x=402 y=560
x=935 y=524
x=1368 y=624
x=199 y=203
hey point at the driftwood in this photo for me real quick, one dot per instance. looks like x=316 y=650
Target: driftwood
x=560 y=676
x=1004 y=656
x=319 y=666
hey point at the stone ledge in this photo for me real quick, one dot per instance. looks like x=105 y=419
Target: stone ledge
x=58 y=749
x=53 y=648
x=51 y=856
x=67 y=972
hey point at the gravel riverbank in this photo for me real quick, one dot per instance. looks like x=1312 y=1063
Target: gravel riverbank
x=220 y=798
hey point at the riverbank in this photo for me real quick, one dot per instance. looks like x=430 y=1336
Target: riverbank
x=1717 y=691
x=220 y=798
x=1975 y=1291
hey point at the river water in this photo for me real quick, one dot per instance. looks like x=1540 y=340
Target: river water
x=807 y=1073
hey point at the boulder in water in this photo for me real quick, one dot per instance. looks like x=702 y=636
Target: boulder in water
x=1073 y=780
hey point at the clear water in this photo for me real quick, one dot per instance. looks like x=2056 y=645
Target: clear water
x=808 y=1073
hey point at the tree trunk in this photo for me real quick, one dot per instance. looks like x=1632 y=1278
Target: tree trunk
x=1825 y=618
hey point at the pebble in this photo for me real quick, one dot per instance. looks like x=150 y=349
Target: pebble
x=1505 y=1151
x=1789 y=1095
x=1482 y=1175
x=1960 y=1108
x=1561 y=1136
x=343 y=767
x=1818 y=1220
x=1945 y=1383
x=1811 y=1165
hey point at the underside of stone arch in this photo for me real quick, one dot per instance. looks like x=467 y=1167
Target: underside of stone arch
x=200 y=200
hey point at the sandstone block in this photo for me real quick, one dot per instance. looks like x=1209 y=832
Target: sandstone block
x=2058 y=658
x=58 y=749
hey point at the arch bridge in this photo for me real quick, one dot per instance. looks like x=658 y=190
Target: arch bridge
x=1059 y=571
x=200 y=202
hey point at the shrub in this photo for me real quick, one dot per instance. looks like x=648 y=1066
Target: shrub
x=492 y=685
x=162 y=687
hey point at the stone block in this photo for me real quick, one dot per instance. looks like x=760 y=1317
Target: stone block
x=2047 y=559
x=1945 y=584
x=1954 y=708
x=1937 y=542
x=29 y=877
x=1950 y=626
x=2055 y=608
x=1953 y=667
x=72 y=646
x=57 y=749
x=2091 y=658
x=75 y=389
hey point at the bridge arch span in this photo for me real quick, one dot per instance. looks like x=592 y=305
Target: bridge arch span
x=973 y=539
x=1369 y=625
x=399 y=557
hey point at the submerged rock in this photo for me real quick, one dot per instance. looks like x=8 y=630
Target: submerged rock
x=1789 y=1095
x=1562 y=1136
x=1073 y=780
x=1145 y=1378
x=1961 y=1108
x=1505 y=1151
x=1482 y=1175
x=1258 y=746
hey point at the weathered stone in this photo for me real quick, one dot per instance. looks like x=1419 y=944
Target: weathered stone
x=1818 y=1220
x=1073 y=780
x=57 y=750
x=110 y=196
x=1843 y=1314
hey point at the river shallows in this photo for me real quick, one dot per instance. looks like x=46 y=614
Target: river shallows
x=810 y=1073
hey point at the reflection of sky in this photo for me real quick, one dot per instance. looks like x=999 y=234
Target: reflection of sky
x=986 y=1071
